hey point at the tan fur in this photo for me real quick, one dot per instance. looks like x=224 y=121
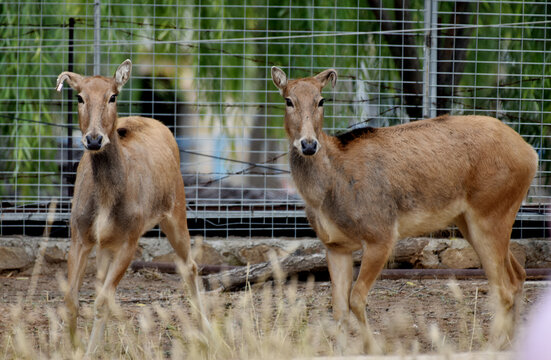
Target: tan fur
x=123 y=189
x=371 y=187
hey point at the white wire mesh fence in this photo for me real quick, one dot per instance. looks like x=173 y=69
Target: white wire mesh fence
x=202 y=67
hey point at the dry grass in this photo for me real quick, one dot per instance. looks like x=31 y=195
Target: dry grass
x=244 y=328
x=276 y=320
x=271 y=321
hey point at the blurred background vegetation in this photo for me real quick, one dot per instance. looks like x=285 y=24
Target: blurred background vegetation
x=203 y=68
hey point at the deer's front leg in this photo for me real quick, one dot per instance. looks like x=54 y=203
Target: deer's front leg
x=76 y=266
x=340 y=270
x=119 y=261
x=374 y=257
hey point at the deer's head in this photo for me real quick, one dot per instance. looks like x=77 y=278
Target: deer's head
x=304 y=108
x=97 y=104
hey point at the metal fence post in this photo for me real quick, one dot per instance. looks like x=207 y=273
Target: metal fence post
x=97 y=36
x=430 y=59
x=69 y=167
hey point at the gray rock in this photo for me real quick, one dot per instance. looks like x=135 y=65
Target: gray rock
x=54 y=255
x=430 y=256
x=14 y=258
x=459 y=255
x=208 y=255
x=410 y=251
x=518 y=252
x=260 y=253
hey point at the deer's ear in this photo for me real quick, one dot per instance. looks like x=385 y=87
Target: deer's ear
x=123 y=73
x=279 y=78
x=73 y=79
x=326 y=75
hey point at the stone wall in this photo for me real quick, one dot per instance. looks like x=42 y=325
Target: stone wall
x=19 y=253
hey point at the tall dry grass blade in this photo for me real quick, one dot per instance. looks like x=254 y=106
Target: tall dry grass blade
x=474 y=320
x=194 y=298
x=24 y=349
x=42 y=250
x=463 y=314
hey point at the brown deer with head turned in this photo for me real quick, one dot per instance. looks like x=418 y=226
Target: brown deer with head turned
x=369 y=187
x=128 y=180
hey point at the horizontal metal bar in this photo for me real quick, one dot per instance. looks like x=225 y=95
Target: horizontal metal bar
x=218 y=214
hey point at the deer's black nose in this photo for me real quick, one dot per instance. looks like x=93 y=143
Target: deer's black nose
x=309 y=147
x=93 y=142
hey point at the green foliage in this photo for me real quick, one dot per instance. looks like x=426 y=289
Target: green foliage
x=510 y=78
x=229 y=48
x=25 y=90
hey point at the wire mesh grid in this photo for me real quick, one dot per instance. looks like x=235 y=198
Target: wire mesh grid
x=203 y=69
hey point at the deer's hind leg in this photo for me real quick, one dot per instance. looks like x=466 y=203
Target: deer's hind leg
x=490 y=238
x=175 y=228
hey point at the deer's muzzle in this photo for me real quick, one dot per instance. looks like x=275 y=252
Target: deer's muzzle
x=94 y=141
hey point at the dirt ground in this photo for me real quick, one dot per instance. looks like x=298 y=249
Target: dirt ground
x=397 y=309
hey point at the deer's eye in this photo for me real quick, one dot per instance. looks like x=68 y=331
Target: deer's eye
x=79 y=99
x=288 y=102
x=322 y=101
x=113 y=98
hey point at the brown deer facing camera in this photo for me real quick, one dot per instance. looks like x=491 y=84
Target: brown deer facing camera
x=128 y=180
x=370 y=187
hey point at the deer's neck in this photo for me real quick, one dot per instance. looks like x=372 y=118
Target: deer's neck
x=313 y=175
x=109 y=171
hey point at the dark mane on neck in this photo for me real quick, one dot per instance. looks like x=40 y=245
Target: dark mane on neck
x=347 y=137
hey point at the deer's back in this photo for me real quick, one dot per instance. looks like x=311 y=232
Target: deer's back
x=153 y=159
x=144 y=138
x=447 y=149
